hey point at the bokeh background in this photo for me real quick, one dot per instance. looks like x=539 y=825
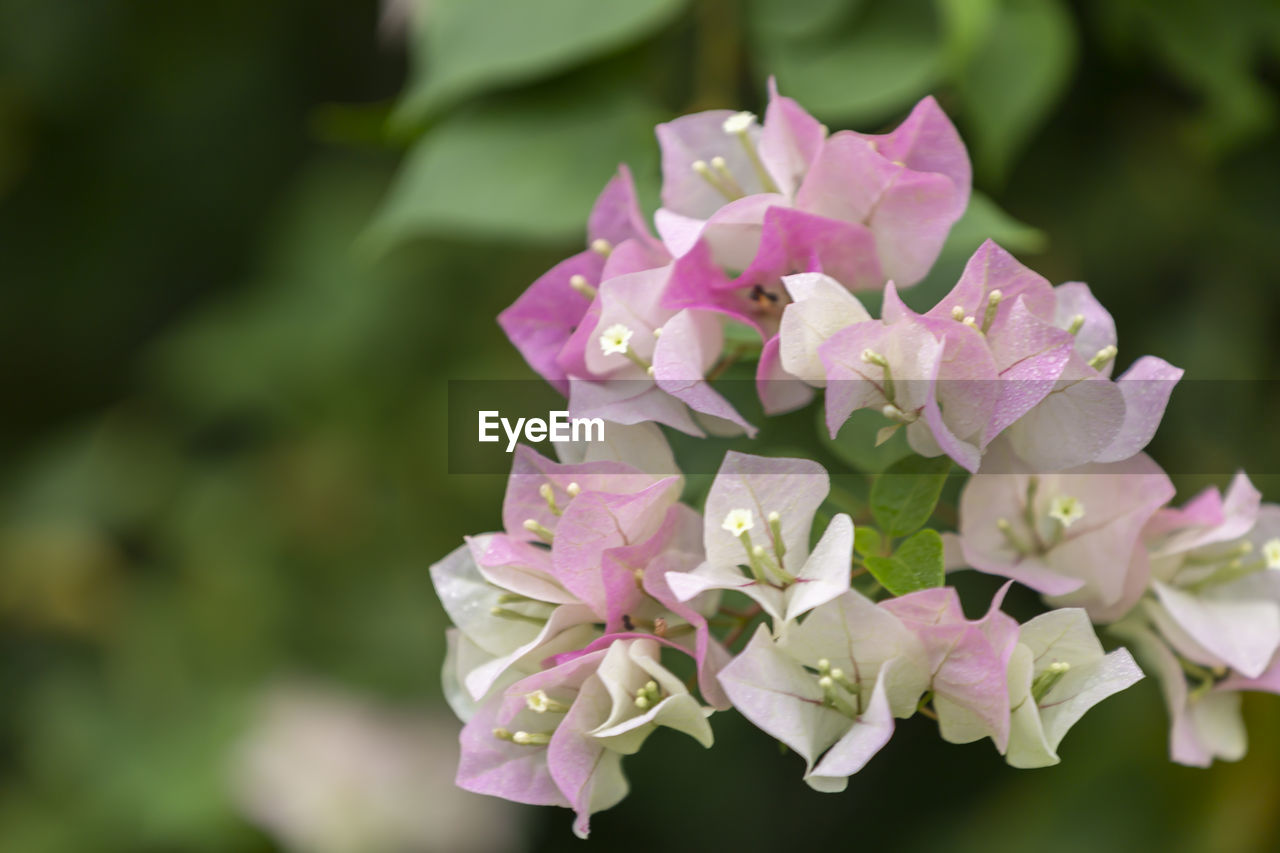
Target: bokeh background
x=243 y=247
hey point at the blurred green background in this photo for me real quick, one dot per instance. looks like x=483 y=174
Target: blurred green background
x=243 y=247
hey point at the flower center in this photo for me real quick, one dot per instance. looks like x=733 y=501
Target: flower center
x=616 y=340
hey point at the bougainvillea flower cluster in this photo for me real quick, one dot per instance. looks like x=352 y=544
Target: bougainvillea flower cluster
x=822 y=621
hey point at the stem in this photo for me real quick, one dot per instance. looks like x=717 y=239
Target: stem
x=718 y=56
x=744 y=619
x=725 y=363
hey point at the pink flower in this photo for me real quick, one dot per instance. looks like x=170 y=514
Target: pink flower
x=589 y=549
x=786 y=197
x=557 y=737
x=830 y=687
x=499 y=636
x=645 y=359
x=1003 y=352
x=1204 y=710
x=542 y=320
x=968 y=659
x=1216 y=578
x=1074 y=536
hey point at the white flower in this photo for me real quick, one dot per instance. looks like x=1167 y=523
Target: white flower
x=739 y=122
x=738 y=521
x=616 y=340
x=1066 y=509
x=1271 y=553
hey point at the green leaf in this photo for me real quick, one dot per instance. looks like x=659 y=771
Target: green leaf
x=866 y=541
x=889 y=55
x=982 y=220
x=790 y=19
x=526 y=167
x=465 y=46
x=903 y=497
x=966 y=23
x=916 y=565
x=1010 y=84
x=855 y=444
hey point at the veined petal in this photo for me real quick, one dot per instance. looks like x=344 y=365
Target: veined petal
x=691 y=342
x=820 y=307
x=867 y=736
x=782 y=698
x=793 y=488
x=825 y=575
x=1244 y=633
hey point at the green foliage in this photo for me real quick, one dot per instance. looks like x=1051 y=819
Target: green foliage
x=880 y=57
x=1213 y=50
x=520 y=167
x=867 y=541
x=1011 y=80
x=855 y=443
x=915 y=565
x=466 y=46
x=903 y=497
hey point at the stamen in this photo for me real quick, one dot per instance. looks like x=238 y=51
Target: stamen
x=549 y=495
x=739 y=125
x=757 y=568
x=832 y=698
x=502 y=734
x=657 y=333
x=580 y=284
x=721 y=167
x=958 y=313
x=993 y=302
x=602 y=246
x=648 y=696
x=573 y=489
x=893 y=413
x=1066 y=510
x=972 y=323
x=1046 y=680
x=870 y=356
x=1029 y=514
x=515 y=616
x=537 y=529
x=531 y=738
x=839 y=677
x=704 y=171
x=775 y=527
x=1102 y=356
x=540 y=703
x=760 y=555
x=1077 y=322
x=1014 y=540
